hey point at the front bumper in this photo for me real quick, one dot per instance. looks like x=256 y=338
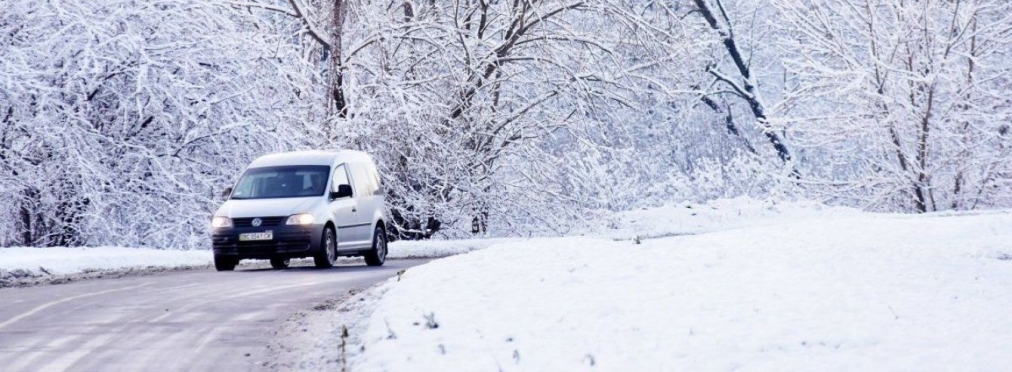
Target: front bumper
x=288 y=242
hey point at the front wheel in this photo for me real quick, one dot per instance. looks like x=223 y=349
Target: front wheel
x=225 y=263
x=328 y=250
x=378 y=254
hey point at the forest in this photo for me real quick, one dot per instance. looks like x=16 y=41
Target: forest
x=122 y=121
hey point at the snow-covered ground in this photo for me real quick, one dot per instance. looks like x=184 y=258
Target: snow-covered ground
x=691 y=218
x=439 y=248
x=20 y=262
x=789 y=289
x=670 y=220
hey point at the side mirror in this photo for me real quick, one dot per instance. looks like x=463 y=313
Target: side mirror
x=343 y=191
x=225 y=194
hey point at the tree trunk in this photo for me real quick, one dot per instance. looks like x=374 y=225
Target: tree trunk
x=745 y=87
x=336 y=62
x=25 y=214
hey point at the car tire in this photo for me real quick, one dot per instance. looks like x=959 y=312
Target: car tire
x=280 y=263
x=328 y=250
x=378 y=254
x=225 y=263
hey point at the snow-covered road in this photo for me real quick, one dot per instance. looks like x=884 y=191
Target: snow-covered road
x=181 y=321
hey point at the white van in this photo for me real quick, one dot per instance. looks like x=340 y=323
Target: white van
x=320 y=204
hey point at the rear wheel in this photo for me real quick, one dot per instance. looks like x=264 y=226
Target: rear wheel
x=328 y=250
x=280 y=263
x=378 y=254
x=225 y=263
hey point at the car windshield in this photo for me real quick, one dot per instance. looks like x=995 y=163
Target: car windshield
x=282 y=182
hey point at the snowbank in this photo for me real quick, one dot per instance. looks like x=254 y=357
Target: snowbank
x=22 y=262
x=66 y=261
x=845 y=292
x=440 y=248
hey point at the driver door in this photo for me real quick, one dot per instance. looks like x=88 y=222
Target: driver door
x=343 y=211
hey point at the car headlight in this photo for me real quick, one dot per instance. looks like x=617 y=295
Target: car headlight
x=300 y=219
x=221 y=222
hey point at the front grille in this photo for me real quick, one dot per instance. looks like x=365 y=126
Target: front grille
x=285 y=245
x=248 y=222
x=266 y=248
x=284 y=242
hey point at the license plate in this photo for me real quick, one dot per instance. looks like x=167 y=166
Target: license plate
x=267 y=235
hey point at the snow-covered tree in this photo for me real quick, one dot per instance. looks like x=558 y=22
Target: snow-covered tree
x=476 y=109
x=123 y=121
x=903 y=104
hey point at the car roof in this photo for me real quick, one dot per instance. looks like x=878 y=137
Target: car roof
x=311 y=157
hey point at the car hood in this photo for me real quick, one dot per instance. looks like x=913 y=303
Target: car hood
x=244 y=208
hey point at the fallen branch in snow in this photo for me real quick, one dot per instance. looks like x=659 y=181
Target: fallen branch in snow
x=430 y=321
x=344 y=346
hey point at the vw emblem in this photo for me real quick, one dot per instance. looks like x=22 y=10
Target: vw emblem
x=257 y=222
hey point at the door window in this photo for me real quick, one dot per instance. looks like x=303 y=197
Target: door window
x=340 y=177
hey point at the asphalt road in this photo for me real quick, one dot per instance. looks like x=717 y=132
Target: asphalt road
x=180 y=321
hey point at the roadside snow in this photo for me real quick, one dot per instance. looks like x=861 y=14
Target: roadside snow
x=318 y=339
x=670 y=220
x=21 y=266
x=66 y=261
x=689 y=218
x=843 y=292
x=439 y=248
